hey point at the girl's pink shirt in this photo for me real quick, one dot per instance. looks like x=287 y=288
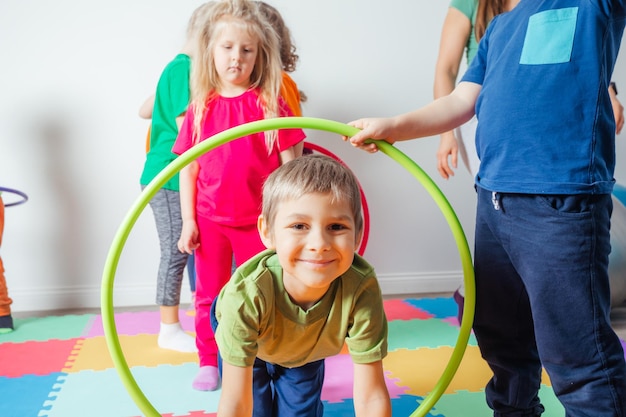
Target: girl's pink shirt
x=231 y=176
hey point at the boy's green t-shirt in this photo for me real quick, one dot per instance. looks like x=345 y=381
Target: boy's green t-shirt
x=258 y=319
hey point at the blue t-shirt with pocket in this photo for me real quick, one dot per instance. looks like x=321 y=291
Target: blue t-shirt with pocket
x=546 y=123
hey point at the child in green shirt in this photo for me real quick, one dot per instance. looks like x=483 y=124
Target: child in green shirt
x=288 y=308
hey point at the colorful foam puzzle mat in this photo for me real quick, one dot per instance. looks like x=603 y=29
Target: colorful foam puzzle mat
x=59 y=366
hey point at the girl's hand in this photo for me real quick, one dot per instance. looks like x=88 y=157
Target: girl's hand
x=618 y=113
x=188 y=241
x=447 y=155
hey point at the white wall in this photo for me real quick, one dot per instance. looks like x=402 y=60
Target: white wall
x=75 y=73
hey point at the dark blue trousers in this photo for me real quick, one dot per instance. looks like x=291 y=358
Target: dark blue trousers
x=543 y=299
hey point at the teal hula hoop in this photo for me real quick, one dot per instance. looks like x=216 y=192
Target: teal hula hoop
x=108 y=318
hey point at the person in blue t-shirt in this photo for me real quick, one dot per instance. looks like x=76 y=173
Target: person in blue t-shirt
x=539 y=86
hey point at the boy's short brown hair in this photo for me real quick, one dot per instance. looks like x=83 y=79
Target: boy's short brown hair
x=311 y=174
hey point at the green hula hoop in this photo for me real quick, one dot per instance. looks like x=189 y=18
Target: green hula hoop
x=183 y=160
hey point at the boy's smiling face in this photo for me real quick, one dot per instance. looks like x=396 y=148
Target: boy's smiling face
x=315 y=240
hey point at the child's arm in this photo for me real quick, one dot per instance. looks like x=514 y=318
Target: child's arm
x=618 y=109
x=189 y=236
x=1 y=218
x=371 y=397
x=145 y=111
x=457 y=28
x=291 y=153
x=439 y=116
x=236 y=396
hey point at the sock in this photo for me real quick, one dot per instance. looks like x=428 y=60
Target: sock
x=207 y=379
x=6 y=324
x=173 y=337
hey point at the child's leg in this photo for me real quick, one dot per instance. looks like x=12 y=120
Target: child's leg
x=246 y=242
x=214 y=324
x=298 y=391
x=5 y=301
x=459 y=298
x=262 y=389
x=213 y=264
x=165 y=206
x=6 y=321
x=191 y=273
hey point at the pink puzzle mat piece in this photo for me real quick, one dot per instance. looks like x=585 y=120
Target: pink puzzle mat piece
x=453 y=321
x=135 y=323
x=400 y=310
x=339 y=379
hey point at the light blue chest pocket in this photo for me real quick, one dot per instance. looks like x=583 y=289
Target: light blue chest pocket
x=550 y=37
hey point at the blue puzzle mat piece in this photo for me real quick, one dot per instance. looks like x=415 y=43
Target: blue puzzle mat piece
x=407 y=404
x=178 y=400
x=79 y=394
x=25 y=396
x=400 y=407
x=441 y=307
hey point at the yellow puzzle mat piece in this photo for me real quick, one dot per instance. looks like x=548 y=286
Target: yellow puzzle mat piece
x=420 y=370
x=139 y=350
